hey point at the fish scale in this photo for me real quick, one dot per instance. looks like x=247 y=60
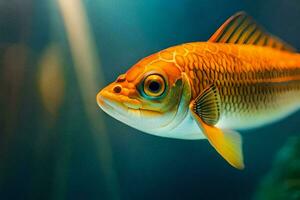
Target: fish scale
x=247 y=81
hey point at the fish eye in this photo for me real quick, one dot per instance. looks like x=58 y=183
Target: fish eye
x=154 y=85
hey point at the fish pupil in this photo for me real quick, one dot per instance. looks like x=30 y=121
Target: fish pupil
x=154 y=86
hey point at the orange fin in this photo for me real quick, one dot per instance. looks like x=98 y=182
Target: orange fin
x=227 y=143
x=242 y=29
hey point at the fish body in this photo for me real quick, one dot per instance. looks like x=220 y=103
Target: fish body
x=241 y=78
x=257 y=85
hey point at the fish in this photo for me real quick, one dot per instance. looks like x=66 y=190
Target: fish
x=241 y=78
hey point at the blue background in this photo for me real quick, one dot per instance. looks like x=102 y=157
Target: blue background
x=66 y=164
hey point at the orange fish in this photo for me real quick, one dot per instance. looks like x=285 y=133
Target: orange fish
x=242 y=77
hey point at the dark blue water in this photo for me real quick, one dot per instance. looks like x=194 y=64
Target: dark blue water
x=57 y=155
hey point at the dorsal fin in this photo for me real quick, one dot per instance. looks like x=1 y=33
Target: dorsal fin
x=242 y=29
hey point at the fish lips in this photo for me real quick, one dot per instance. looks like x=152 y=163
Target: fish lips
x=129 y=111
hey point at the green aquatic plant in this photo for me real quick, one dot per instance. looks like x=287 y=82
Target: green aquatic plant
x=283 y=181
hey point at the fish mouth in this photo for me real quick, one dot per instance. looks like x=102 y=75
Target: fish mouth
x=122 y=107
x=107 y=105
x=116 y=102
x=131 y=112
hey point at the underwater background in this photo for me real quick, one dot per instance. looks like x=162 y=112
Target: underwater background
x=55 y=143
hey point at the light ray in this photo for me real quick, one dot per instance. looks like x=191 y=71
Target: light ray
x=89 y=75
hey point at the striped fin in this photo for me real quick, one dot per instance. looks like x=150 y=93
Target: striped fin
x=242 y=29
x=207 y=105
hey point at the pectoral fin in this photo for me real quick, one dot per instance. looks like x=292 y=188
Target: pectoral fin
x=207 y=105
x=227 y=143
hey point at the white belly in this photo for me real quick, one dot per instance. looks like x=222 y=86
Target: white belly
x=187 y=129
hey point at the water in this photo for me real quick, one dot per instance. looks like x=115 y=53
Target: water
x=55 y=143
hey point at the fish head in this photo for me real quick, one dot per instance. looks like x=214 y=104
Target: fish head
x=152 y=96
